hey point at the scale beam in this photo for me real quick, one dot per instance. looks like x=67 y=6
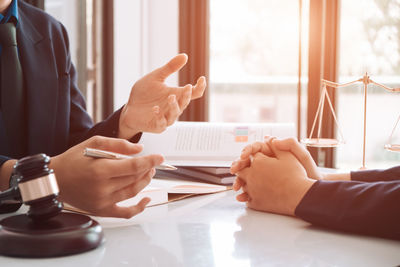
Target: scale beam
x=330 y=142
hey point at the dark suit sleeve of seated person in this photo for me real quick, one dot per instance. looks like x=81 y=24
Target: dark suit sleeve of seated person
x=3 y=159
x=57 y=112
x=370 y=208
x=80 y=124
x=390 y=174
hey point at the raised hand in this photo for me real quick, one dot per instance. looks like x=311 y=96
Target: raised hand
x=152 y=105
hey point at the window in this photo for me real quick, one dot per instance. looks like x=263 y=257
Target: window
x=145 y=38
x=90 y=29
x=369 y=42
x=254 y=58
x=78 y=23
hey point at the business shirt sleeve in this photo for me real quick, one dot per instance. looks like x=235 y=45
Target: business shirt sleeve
x=370 y=208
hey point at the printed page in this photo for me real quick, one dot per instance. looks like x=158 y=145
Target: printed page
x=160 y=190
x=157 y=195
x=209 y=144
x=180 y=186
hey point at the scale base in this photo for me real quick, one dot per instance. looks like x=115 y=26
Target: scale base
x=64 y=234
x=393 y=147
x=321 y=142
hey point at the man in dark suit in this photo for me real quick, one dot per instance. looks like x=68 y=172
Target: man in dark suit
x=43 y=111
x=280 y=176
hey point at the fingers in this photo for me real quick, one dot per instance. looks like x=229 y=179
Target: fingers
x=185 y=97
x=291 y=145
x=132 y=189
x=114 y=144
x=268 y=140
x=244 y=174
x=159 y=121
x=174 y=65
x=118 y=183
x=239 y=183
x=300 y=152
x=239 y=165
x=254 y=148
x=243 y=197
x=199 y=88
x=126 y=167
x=174 y=110
x=247 y=152
x=125 y=212
x=164 y=119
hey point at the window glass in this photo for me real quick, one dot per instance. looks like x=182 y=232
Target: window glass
x=369 y=42
x=67 y=12
x=254 y=60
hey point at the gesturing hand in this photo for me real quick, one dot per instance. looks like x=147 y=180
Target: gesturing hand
x=97 y=185
x=152 y=105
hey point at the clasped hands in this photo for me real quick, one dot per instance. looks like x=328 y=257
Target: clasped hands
x=274 y=175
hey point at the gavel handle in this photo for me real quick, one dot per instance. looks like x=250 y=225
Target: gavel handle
x=10 y=200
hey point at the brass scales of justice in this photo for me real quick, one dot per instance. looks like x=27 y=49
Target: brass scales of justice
x=331 y=142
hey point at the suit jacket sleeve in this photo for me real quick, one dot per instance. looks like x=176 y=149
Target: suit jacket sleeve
x=81 y=125
x=370 y=208
x=391 y=174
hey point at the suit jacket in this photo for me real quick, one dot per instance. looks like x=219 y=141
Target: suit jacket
x=369 y=204
x=56 y=112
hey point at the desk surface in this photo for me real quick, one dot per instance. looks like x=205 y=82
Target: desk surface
x=215 y=230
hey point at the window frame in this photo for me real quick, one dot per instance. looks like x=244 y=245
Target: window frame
x=323 y=42
x=194 y=19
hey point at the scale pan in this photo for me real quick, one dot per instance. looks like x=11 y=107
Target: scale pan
x=393 y=147
x=321 y=142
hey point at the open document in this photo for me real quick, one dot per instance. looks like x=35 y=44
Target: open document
x=165 y=190
x=207 y=144
x=162 y=191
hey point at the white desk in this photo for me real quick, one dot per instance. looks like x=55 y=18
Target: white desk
x=215 y=230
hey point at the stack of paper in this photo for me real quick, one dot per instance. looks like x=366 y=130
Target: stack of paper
x=207 y=174
x=205 y=150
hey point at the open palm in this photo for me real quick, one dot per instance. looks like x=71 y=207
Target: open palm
x=152 y=105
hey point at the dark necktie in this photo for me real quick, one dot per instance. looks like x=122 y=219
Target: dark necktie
x=12 y=91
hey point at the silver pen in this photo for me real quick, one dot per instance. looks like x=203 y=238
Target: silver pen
x=97 y=153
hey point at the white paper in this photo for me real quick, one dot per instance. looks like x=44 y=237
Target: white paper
x=209 y=144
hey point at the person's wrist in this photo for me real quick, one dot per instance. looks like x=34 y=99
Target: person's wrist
x=124 y=130
x=338 y=176
x=54 y=165
x=303 y=188
x=58 y=172
x=5 y=174
x=322 y=176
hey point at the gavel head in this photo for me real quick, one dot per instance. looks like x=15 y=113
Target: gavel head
x=38 y=187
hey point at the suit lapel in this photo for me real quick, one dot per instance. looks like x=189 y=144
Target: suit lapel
x=41 y=84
